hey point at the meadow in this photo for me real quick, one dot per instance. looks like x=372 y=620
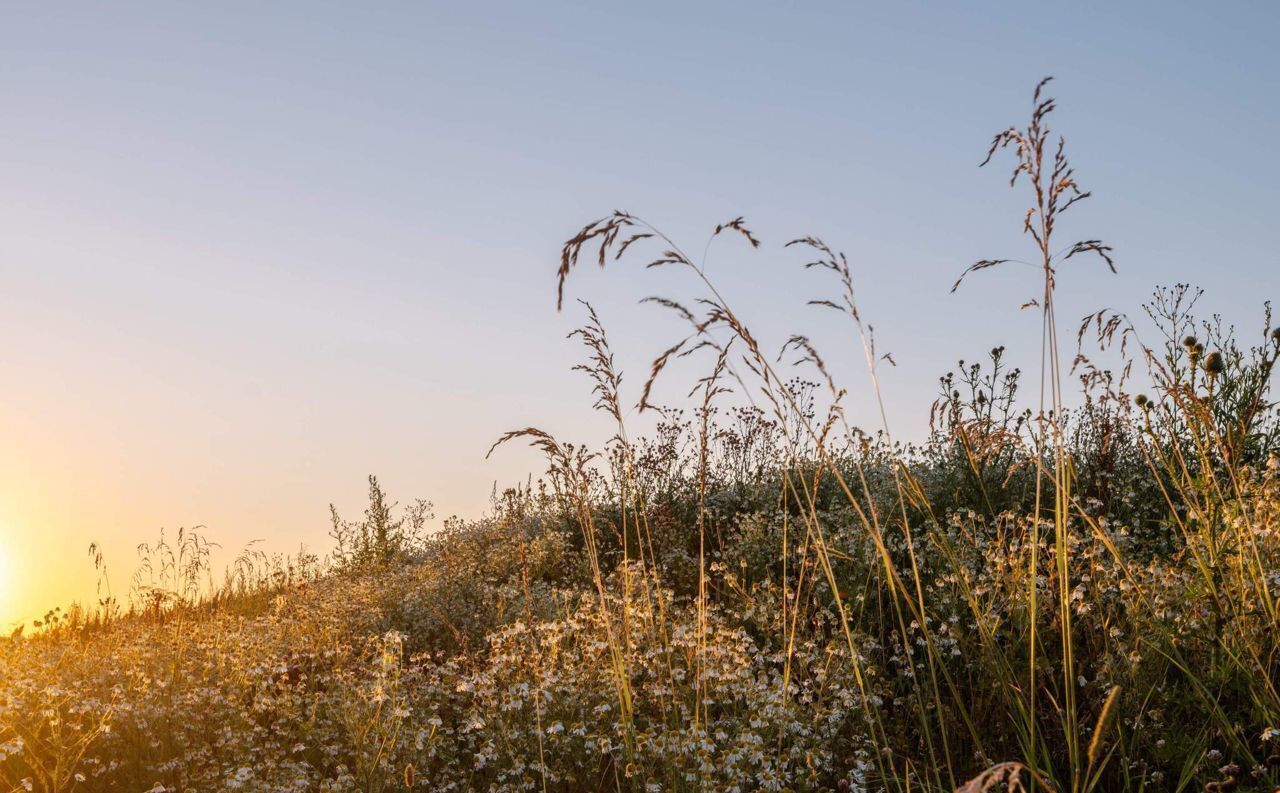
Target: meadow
x=1070 y=585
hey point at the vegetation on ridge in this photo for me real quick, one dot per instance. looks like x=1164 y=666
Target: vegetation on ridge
x=1049 y=594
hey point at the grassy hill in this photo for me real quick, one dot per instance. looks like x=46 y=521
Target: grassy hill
x=1072 y=597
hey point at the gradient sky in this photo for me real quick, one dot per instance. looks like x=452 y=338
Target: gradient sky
x=251 y=253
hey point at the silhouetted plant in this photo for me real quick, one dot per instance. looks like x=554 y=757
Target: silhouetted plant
x=382 y=536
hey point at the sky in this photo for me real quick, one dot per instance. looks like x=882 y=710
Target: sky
x=251 y=253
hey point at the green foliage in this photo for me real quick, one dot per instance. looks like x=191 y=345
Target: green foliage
x=381 y=537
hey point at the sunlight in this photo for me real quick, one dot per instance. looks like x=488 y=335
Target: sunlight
x=6 y=581
x=835 y=506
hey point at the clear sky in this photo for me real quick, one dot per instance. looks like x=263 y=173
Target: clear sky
x=252 y=252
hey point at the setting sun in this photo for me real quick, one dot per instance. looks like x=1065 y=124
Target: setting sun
x=434 y=397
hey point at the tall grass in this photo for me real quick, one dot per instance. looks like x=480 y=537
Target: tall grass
x=1072 y=595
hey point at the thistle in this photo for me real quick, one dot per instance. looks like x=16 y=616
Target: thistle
x=1214 y=364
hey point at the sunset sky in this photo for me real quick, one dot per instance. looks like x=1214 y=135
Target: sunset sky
x=251 y=253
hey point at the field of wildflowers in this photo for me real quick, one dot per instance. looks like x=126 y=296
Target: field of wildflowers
x=1080 y=595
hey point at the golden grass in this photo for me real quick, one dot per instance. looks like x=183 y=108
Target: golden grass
x=1071 y=596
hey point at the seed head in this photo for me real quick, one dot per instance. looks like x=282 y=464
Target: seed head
x=1214 y=364
x=1189 y=342
x=1142 y=401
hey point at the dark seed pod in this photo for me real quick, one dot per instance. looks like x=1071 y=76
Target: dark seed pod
x=1212 y=787
x=1275 y=334
x=1142 y=401
x=1228 y=785
x=1214 y=363
x=1189 y=342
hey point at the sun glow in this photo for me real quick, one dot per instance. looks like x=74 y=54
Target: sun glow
x=6 y=582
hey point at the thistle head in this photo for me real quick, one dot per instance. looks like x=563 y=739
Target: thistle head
x=1214 y=364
